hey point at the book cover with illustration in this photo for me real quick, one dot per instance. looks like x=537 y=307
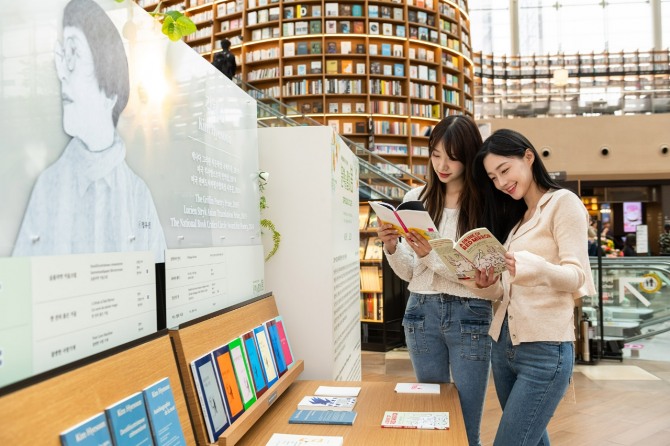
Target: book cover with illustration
x=254 y=360
x=313 y=402
x=416 y=420
x=410 y=215
x=242 y=373
x=477 y=248
x=228 y=382
x=342 y=417
x=214 y=410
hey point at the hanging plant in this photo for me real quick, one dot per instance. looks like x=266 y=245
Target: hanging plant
x=266 y=223
x=175 y=24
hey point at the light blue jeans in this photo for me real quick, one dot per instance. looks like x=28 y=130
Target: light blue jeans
x=530 y=380
x=447 y=336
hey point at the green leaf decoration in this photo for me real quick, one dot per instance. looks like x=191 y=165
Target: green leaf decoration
x=176 y=25
x=276 y=237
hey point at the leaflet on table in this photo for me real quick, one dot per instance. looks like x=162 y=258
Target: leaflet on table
x=417 y=388
x=416 y=420
x=304 y=440
x=326 y=403
x=339 y=417
x=337 y=391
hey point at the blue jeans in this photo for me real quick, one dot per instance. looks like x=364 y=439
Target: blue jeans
x=530 y=380
x=448 y=336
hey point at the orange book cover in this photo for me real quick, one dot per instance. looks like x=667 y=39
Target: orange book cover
x=228 y=382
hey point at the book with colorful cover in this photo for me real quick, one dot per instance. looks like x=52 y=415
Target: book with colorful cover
x=275 y=342
x=228 y=382
x=93 y=431
x=128 y=422
x=214 y=410
x=265 y=352
x=416 y=420
x=477 y=248
x=242 y=373
x=285 y=344
x=339 y=417
x=163 y=416
x=254 y=360
x=313 y=402
x=409 y=215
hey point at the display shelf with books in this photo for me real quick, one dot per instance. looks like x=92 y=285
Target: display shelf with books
x=63 y=402
x=383 y=294
x=220 y=336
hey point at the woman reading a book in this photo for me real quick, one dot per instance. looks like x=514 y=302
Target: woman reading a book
x=545 y=228
x=447 y=319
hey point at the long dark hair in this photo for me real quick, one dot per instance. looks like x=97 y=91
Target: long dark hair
x=461 y=139
x=502 y=212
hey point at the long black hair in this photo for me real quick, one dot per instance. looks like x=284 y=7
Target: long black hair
x=461 y=139
x=502 y=212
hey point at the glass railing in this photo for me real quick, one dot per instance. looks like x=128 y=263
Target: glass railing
x=572 y=104
x=635 y=303
x=379 y=178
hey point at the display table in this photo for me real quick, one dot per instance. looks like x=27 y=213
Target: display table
x=374 y=399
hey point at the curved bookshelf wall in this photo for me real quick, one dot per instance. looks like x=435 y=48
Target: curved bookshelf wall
x=382 y=72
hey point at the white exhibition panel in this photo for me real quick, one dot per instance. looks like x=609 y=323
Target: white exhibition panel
x=312 y=198
x=187 y=142
x=57 y=309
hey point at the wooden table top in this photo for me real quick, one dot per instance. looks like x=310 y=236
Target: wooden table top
x=374 y=399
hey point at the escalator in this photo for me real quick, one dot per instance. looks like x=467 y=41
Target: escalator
x=635 y=303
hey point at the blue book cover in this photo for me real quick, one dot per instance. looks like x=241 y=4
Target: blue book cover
x=398 y=69
x=386 y=49
x=254 y=360
x=128 y=422
x=346 y=417
x=275 y=340
x=210 y=396
x=265 y=351
x=163 y=416
x=91 y=432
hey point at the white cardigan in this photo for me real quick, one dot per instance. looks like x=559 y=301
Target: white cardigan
x=429 y=274
x=552 y=269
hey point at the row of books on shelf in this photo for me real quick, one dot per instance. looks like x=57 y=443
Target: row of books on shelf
x=228 y=8
x=231 y=378
x=372 y=306
x=148 y=416
x=371 y=280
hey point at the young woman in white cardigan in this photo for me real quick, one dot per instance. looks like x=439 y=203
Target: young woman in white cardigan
x=446 y=319
x=545 y=233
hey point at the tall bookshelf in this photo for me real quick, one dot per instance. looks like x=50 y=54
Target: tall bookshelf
x=382 y=72
x=383 y=294
x=597 y=83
